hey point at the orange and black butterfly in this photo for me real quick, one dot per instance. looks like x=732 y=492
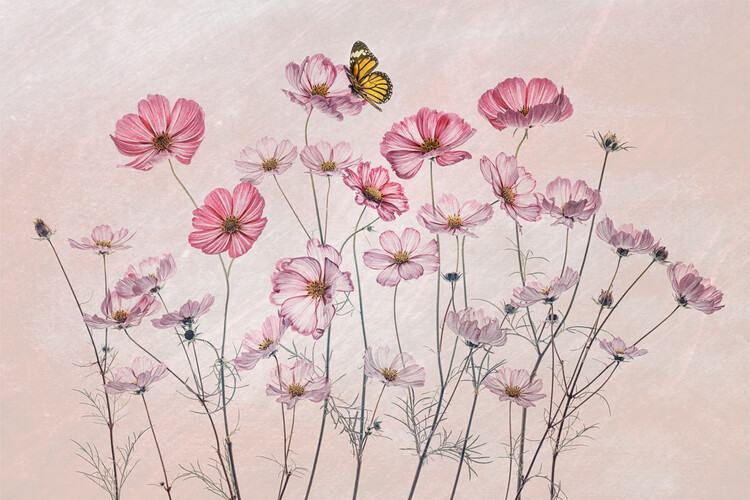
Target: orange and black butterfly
x=373 y=86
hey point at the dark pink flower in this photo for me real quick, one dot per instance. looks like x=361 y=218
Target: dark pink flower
x=450 y=216
x=514 y=385
x=297 y=383
x=567 y=204
x=427 y=135
x=692 y=290
x=534 y=291
x=150 y=276
x=374 y=189
x=513 y=186
x=320 y=84
x=260 y=344
x=619 y=350
x=103 y=240
x=229 y=221
x=157 y=133
x=135 y=378
x=392 y=368
x=305 y=288
x=323 y=159
x=517 y=105
x=401 y=259
x=476 y=328
x=187 y=314
x=265 y=159
x=625 y=239
x=116 y=314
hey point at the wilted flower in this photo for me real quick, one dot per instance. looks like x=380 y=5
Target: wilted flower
x=625 y=239
x=323 y=159
x=150 y=276
x=450 y=216
x=297 y=383
x=609 y=142
x=476 y=328
x=392 y=368
x=569 y=204
x=261 y=344
x=187 y=314
x=534 y=291
x=374 y=189
x=103 y=240
x=265 y=159
x=619 y=351
x=401 y=258
x=117 y=314
x=692 y=290
x=514 y=385
x=135 y=378
x=42 y=229
x=513 y=187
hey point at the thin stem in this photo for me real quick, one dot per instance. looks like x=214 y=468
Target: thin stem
x=198 y=381
x=361 y=453
x=363 y=228
x=323 y=420
x=289 y=447
x=657 y=326
x=525 y=135
x=291 y=207
x=166 y=485
x=466 y=440
x=510 y=447
x=565 y=258
x=395 y=323
x=463 y=270
x=180 y=183
x=283 y=423
x=328 y=195
x=317 y=210
x=106 y=330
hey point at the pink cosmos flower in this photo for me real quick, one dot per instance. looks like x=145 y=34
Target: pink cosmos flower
x=427 y=135
x=692 y=290
x=513 y=186
x=392 y=368
x=320 y=84
x=514 y=385
x=514 y=104
x=619 y=351
x=534 y=291
x=374 y=189
x=400 y=258
x=296 y=383
x=150 y=276
x=476 y=328
x=186 y=315
x=103 y=240
x=305 y=288
x=449 y=216
x=135 y=378
x=229 y=221
x=625 y=239
x=265 y=159
x=323 y=159
x=567 y=204
x=260 y=344
x=156 y=133
x=117 y=314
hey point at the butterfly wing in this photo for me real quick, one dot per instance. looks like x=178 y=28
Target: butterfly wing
x=373 y=86
x=376 y=88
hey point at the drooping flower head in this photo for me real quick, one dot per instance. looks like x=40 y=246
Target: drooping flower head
x=692 y=290
x=103 y=240
x=374 y=189
x=149 y=277
x=570 y=204
x=533 y=292
x=323 y=159
x=119 y=314
x=136 y=378
x=476 y=328
x=619 y=350
x=514 y=385
x=306 y=287
x=392 y=368
x=261 y=344
x=625 y=239
x=513 y=103
x=186 y=316
x=427 y=135
x=513 y=186
x=318 y=83
x=401 y=258
x=229 y=221
x=157 y=133
x=267 y=158
x=297 y=383
x=450 y=216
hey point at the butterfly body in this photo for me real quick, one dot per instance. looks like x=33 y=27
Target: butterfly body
x=373 y=86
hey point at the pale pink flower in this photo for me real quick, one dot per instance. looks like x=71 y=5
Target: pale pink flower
x=156 y=133
x=323 y=159
x=514 y=385
x=401 y=259
x=187 y=315
x=450 y=216
x=374 y=189
x=534 y=291
x=625 y=239
x=305 y=288
x=103 y=240
x=619 y=350
x=569 y=204
x=428 y=135
x=513 y=186
x=392 y=368
x=513 y=103
x=135 y=378
x=692 y=290
x=476 y=328
x=320 y=84
x=229 y=221
x=267 y=158
x=296 y=383
x=150 y=276
x=119 y=314
x=261 y=344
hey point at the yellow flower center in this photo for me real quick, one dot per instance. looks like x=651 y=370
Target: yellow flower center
x=430 y=145
x=618 y=351
x=524 y=110
x=231 y=225
x=120 y=315
x=513 y=391
x=315 y=289
x=328 y=166
x=508 y=195
x=265 y=345
x=544 y=291
x=269 y=164
x=562 y=208
x=103 y=243
x=389 y=374
x=373 y=194
x=161 y=141
x=295 y=390
x=455 y=221
x=401 y=257
x=320 y=89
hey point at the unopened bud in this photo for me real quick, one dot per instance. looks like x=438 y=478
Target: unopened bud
x=605 y=299
x=42 y=229
x=660 y=254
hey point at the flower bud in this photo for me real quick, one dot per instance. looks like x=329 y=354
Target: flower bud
x=610 y=142
x=452 y=277
x=510 y=309
x=605 y=299
x=660 y=254
x=42 y=229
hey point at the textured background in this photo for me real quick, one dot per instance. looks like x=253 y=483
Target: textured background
x=670 y=77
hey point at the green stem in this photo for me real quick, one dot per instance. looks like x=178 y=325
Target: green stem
x=525 y=135
x=323 y=420
x=181 y=184
x=463 y=270
x=364 y=334
x=291 y=207
x=328 y=195
x=395 y=323
x=166 y=485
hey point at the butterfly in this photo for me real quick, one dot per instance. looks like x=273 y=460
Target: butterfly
x=373 y=86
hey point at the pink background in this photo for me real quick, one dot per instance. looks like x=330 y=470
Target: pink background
x=670 y=77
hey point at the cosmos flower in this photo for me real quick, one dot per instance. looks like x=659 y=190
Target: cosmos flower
x=401 y=258
x=187 y=315
x=625 y=239
x=374 y=189
x=534 y=291
x=569 y=204
x=103 y=240
x=119 y=314
x=514 y=385
x=265 y=159
x=261 y=344
x=136 y=378
x=323 y=159
x=297 y=383
x=476 y=328
x=150 y=276
x=450 y=216
x=513 y=187
x=692 y=290
x=392 y=368
x=619 y=351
